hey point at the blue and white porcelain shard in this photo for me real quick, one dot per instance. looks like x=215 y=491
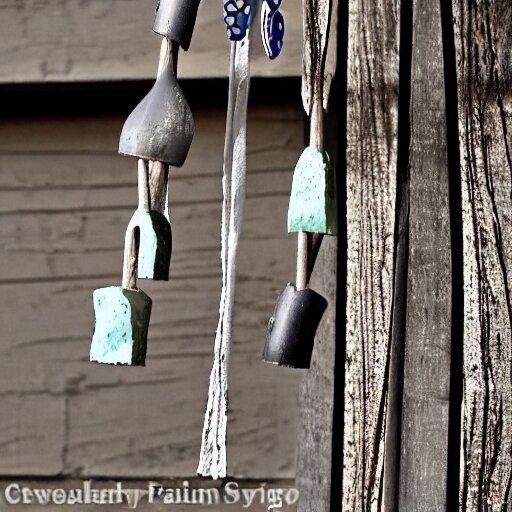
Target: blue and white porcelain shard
x=272 y=28
x=238 y=16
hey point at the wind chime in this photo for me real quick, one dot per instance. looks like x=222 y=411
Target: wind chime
x=312 y=210
x=158 y=133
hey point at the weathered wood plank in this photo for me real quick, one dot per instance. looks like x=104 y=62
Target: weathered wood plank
x=372 y=119
x=159 y=435
x=314 y=457
x=483 y=41
x=31 y=432
x=55 y=41
x=90 y=136
x=426 y=381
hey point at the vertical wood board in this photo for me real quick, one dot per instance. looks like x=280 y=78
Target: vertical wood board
x=483 y=39
x=372 y=119
x=426 y=379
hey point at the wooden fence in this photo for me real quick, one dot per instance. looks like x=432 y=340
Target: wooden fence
x=420 y=389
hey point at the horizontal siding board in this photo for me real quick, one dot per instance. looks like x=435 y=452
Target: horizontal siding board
x=61 y=236
x=157 y=438
x=44 y=246
x=32 y=431
x=55 y=41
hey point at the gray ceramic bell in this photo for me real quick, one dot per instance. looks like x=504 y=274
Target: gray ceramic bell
x=175 y=19
x=291 y=331
x=161 y=127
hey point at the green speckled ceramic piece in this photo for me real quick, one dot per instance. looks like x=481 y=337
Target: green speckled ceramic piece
x=313 y=198
x=122 y=322
x=155 y=244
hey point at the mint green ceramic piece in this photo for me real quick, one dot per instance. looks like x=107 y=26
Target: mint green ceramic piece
x=155 y=244
x=122 y=322
x=313 y=198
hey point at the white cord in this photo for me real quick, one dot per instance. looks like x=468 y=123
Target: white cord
x=213 y=461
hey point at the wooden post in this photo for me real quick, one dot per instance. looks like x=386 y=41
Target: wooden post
x=483 y=40
x=316 y=395
x=371 y=176
x=426 y=379
x=403 y=266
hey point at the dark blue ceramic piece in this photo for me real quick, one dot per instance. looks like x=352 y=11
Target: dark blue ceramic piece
x=272 y=28
x=238 y=15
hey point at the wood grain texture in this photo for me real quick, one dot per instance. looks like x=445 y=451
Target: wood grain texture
x=66 y=200
x=56 y=41
x=316 y=22
x=426 y=380
x=372 y=119
x=314 y=457
x=483 y=41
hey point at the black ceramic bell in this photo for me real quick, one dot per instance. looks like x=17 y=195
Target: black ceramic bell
x=175 y=19
x=161 y=127
x=291 y=331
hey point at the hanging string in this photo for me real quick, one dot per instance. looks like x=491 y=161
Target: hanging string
x=213 y=461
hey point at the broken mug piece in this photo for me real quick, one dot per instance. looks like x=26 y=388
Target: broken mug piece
x=313 y=198
x=238 y=16
x=292 y=328
x=175 y=19
x=272 y=28
x=161 y=127
x=122 y=315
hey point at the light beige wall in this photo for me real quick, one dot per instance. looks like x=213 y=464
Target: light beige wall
x=95 y=40
x=65 y=200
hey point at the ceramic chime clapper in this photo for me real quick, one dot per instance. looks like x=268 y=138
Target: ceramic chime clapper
x=272 y=28
x=292 y=329
x=161 y=127
x=155 y=234
x=238 y=16
x=175 y=19
x=122 y=316
x=312 y=213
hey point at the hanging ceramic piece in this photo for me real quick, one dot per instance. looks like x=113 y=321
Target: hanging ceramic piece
x=159 y=132
x=122 y=315
x=312 y=210
x=161 y=127
x=295 y=320
x=155 y=235
x=238 y=16
x=272 y=28
x=313 y=198
x=212 y=461
x=175 y=19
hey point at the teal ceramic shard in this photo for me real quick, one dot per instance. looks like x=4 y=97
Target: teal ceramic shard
x=155 y=244
x=313 y=198
x=122 y=322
